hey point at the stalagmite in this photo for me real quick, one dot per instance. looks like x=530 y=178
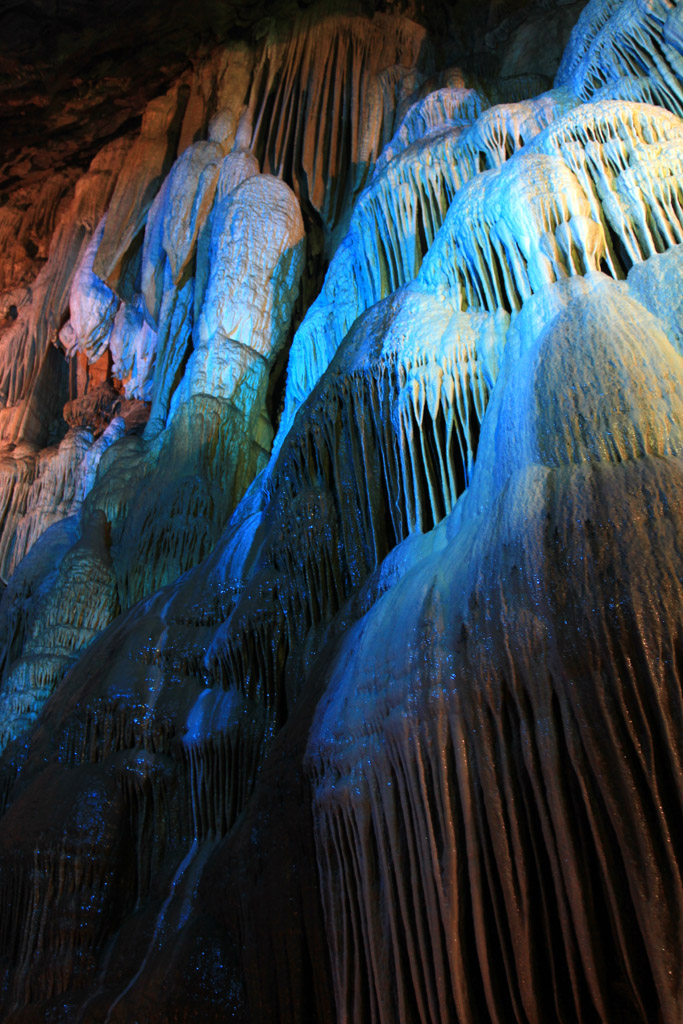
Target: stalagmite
x=626 y=157
x=256 y=260
x=205 y=194
x=49 y=486
x=133 y=347
x=30 y=399
x=165 y=519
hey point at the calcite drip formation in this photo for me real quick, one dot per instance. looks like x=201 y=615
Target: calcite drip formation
x=357 y=699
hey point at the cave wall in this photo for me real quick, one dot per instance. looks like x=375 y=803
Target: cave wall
x=340 y=464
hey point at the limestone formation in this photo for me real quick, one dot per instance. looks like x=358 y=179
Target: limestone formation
x=92 y=307
x=79 y=603
x=143 y=172
x=341 y=477
x=341 y=77
x=397 y=218
x=614 y=39
x=506 y=744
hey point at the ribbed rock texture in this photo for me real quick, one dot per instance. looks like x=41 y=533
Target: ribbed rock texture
x=341 y=468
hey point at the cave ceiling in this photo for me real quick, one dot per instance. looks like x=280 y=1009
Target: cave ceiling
x=74 y=75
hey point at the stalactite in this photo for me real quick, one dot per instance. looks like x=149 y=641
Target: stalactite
x=24 y=346
x=444 y=618
x=60 y=890
x=81 y=603
x=314 y=98
x=398 y=217
x=109 y=727
x=626 y=157
x=448 y=107
x=612 y=40
x=450 y=787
